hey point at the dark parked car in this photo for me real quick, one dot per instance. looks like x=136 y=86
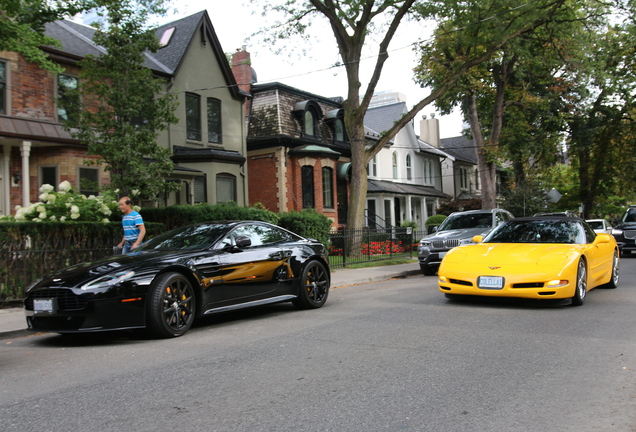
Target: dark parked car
x=180 y=275
x=457 y=229
x=624 y=231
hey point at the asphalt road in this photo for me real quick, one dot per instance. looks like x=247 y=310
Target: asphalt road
x=386 y=356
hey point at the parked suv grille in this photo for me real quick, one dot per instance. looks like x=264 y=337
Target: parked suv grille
x=445 y=244
x=66 y=299
x=629 y=234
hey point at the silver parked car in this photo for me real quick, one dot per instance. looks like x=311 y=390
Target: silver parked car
x=457 y=229
x=600 y=225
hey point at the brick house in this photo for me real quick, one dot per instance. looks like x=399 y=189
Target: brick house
x=297 y=152
x=208 y=144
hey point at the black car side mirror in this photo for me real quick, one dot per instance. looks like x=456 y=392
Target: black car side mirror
x=243 y=242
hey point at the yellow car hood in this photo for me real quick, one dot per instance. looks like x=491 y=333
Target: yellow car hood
x=511 y=254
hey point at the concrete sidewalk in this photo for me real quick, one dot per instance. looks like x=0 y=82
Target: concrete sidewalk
x=13 y=322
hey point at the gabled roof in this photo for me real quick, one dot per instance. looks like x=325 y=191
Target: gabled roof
x=76 y=40
x=382 y=118
x=461 y=148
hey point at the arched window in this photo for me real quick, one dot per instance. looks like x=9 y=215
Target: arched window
x=308 y=113
x=327 y=187
x=394 y=163
x=409 y=174
x=309 y=125
x=307 y=174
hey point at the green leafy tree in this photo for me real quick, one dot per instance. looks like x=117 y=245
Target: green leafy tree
x=22 y=26
x=123 y=110
x=503 y=80
x=600 y=116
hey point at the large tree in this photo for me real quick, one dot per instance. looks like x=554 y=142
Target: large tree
x=22 y=26
x=354 y=22
x=507 y=79
x=123 y=108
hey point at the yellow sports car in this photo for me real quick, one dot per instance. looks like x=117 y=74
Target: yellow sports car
x=547 y=257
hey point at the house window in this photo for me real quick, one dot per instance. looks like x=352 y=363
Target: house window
x=339 y=130
x=88 y=181
x=394 y=160
x=428 y=171
x=409 y=174
x=67 y=102
x=225 y=188
x=200 y=190
x=463 y=178
x=214 y=121
x=309 y=123
x=193 y=116
x=477 y=180
x=3 y=88
x=166 y=36
x=307 y=174
x=48 y=175
x=373 y=167
x=327 y=187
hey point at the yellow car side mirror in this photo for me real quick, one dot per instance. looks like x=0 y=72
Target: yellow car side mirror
x=478 y=239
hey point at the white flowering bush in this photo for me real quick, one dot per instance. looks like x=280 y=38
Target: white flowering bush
x=67 y=205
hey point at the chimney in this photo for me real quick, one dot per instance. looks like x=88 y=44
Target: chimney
x=429 y=130
x=242 y=69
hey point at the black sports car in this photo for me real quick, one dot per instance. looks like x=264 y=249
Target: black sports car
x=181 y=275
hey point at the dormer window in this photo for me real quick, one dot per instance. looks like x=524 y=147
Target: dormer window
x=335 y=119
x=309 y=114
x=309 y=125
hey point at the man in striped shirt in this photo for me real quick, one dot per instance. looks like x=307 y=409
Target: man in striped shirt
x=134 y=229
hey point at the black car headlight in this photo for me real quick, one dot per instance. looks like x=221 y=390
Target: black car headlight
x=108 y=280
x=616 y=231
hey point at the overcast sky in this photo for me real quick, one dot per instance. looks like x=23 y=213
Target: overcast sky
x=312 y=71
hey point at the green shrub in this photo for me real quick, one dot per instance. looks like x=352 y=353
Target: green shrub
x=307 y=223
x=434 y=221
x=180 y=215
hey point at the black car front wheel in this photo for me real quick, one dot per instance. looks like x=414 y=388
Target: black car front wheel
x=314 y=286
x=171 y=306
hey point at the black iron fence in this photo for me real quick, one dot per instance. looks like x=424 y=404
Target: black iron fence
x=367 y=245
x=19 y=268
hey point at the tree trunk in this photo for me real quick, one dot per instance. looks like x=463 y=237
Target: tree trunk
x=486 y=169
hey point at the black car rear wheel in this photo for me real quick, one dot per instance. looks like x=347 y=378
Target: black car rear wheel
x=580 y=291
x=171 y=306
x=314 y=286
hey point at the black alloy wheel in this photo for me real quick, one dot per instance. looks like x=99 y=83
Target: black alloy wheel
x=314 y=286
x=171 y=306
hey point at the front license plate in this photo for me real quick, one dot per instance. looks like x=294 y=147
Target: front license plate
x=441 y=255
x=490 y=282
x=43 y=306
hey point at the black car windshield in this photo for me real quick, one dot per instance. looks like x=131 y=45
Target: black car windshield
x=538 y=231
x=187 y=238
x=466 y=221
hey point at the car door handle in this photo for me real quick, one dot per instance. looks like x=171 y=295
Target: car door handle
x=276 y=255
